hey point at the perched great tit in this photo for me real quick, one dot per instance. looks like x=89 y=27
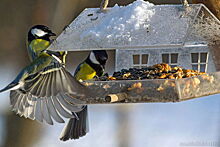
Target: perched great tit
x=39 y=39
x=94 y=65
x=42 y=90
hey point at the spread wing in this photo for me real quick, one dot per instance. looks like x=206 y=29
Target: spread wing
x=46 y=95
x=43 y=109
x=51 y=82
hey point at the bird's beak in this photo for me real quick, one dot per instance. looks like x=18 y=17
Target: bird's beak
x=52 y=34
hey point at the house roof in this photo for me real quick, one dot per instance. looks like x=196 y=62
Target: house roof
x=140 y=24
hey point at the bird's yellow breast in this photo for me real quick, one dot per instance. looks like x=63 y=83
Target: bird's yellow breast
x=85 y=72
x=38 y=45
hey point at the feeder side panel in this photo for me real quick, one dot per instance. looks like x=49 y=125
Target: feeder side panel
x=215 y=52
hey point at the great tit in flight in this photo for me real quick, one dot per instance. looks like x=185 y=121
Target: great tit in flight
x=94 y=65
x=38 y=40
x=42 y=90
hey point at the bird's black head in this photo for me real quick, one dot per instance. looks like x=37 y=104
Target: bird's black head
x=40 y=32
x=97 y=60
x=99 y=57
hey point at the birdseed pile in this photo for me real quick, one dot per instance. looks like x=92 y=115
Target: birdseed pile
x=158 y=71
x=176 y=84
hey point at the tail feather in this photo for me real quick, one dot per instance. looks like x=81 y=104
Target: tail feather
x=76 y=127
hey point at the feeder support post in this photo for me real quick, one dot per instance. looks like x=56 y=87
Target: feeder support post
x=185 y=3
x=103 y=5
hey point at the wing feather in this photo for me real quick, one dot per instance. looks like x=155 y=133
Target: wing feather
x=41 y=86
x=53 y=83
x=38 y=114
x=13 y=98
x=53 y=111
x=31 y=107
x=16 y=106
x=22 y=104
x=59 y=81
x=48 y=85
x=16 y=101
x=60 y=109
x=25 y=107
x=78 y=90
x=72 y=100
x=34 y=88
x=45 y=112
x=68 y=106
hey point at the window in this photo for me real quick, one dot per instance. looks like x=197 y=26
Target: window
x=140 y=60
x=170 y=58
x=199 y=61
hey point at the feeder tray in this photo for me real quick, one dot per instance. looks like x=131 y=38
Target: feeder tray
x=156 y=90
x=193 y=28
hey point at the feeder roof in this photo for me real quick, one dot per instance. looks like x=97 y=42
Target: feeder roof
x=139 y=24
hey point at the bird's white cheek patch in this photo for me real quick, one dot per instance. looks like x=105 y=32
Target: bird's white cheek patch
x=38 y=32
x=93 y=58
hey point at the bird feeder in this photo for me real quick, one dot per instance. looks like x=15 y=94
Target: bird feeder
x=142 y=34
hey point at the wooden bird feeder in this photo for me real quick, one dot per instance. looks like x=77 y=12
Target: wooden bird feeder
x=142 y=34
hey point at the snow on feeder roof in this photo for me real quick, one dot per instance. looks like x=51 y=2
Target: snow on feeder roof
x=136 y=25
